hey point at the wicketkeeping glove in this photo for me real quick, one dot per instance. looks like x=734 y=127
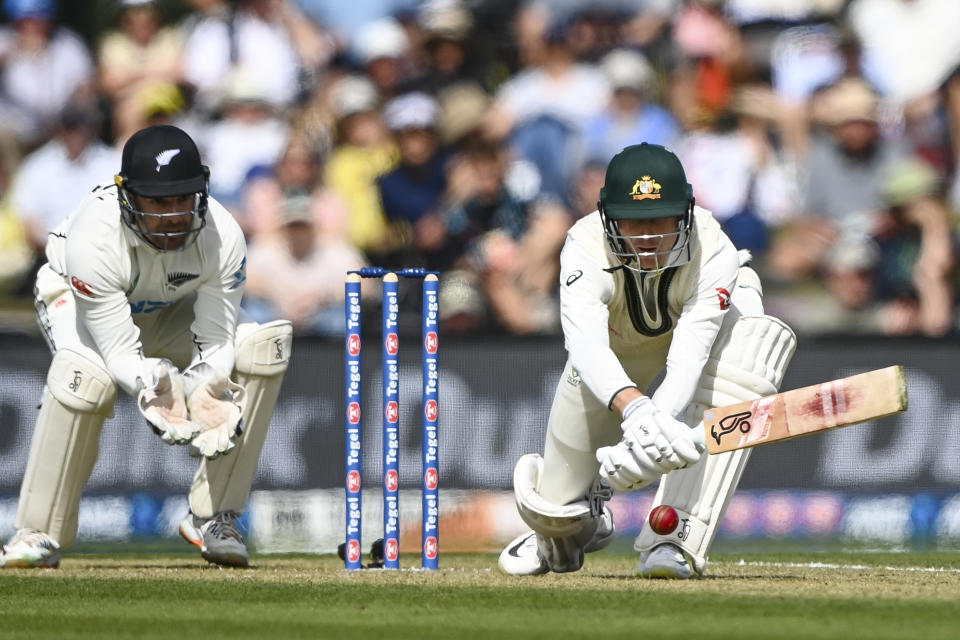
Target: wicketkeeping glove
x=164 y=406
x=653 y=443
x=216 y=405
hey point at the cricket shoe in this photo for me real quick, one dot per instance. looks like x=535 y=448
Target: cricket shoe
x=30 y=548
x=219 y=538
x=522 y=557
x=667 y=561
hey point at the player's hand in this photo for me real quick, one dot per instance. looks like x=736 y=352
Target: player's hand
x=216 y=405
x=665 y=439
x=164 y=406
x=653 y=443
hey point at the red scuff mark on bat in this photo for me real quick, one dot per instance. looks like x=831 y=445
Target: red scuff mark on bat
x=831 y=400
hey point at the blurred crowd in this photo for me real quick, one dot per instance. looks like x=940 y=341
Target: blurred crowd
x=466 y=136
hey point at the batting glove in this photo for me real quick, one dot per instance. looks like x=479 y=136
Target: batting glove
x=653 y=443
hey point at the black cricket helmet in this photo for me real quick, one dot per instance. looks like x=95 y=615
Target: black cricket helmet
x=162 y=162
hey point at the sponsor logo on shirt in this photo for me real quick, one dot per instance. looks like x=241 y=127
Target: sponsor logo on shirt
x=573 y=277
x=148 y=306
x=724 y=297
x=81 y=286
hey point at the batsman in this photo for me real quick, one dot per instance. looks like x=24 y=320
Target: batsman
x=649 y=282
x=141 y=292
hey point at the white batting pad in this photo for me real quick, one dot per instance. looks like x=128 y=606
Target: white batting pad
x=263 y=353
x=77 y=399
x=541 y=515
x=563 y=531
x=748 y=361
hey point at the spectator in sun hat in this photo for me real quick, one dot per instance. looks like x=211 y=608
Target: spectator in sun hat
x=843 y=297
x=362 y=152
x=382 y=48
x=463 y=106
x=250 y=133
x=841 y=178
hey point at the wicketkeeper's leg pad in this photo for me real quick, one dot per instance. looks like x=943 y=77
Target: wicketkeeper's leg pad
x=564 y=532
x=748 y=361
x=77 y=399
x=263 y=353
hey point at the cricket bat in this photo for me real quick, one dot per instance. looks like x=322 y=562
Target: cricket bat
x=791 y=414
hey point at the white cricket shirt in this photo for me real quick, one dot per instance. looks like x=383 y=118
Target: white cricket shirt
x=120 y=283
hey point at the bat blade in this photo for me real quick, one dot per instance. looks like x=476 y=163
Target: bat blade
x=791 y=414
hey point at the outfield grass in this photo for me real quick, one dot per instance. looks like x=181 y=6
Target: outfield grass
x=173 y=595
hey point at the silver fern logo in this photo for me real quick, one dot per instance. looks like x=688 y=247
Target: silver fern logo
x=177 y=278
x=164 y=157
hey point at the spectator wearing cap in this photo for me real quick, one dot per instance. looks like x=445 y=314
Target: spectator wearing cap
x=248 y=135
x=43 y=67
x=841 y=179
x=50 y=181
x=631 y=117
x=417 y=185
x=382 y=49
x=445 y=29
x=362 y=152
x=297 y=272
x=140 y=55
x=165 y=103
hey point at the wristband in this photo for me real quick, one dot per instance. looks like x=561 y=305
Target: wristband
x=635 y=404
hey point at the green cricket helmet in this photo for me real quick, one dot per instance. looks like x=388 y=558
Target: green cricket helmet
x=647 y=182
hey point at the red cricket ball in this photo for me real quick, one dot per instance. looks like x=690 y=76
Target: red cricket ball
x=664 y=519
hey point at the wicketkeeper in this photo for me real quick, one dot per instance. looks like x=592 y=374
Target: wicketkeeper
x=141 y=291
x=648 y=281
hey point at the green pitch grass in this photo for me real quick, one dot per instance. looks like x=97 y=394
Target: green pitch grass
x=769 y=595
